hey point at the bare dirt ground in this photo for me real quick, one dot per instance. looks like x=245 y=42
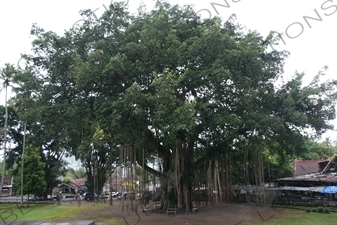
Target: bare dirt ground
x=219 y=213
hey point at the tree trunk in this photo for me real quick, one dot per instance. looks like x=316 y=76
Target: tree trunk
x=219 y=183
x=246 y=166
x=230 y=175
x=215 y=181
x=210 y=182
x=227 y=177
x=178 y=179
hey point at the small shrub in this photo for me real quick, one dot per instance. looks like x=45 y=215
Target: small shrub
x=327 y=210
x=320 y=209
x=314 y=210
x=308 y=210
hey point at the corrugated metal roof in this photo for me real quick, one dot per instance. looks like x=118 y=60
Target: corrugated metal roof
x=330 y=177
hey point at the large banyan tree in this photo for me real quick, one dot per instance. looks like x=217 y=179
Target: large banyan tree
x=205 y=97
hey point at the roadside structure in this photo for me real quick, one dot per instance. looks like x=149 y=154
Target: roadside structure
x=7 y=187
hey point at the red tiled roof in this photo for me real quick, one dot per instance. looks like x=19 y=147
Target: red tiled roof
x=79 y=181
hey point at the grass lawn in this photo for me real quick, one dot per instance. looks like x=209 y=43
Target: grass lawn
x=54 y=212
x=103 y=213
x=300 y=217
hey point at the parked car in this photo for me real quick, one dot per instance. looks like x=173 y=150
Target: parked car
x=115 y=194
x=88 y=196
x=35 y=199
x=128 y=195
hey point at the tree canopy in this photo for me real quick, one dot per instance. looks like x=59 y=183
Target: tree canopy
x=33 y=174
x=204 y=97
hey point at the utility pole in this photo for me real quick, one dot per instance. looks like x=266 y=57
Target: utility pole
x=110 y=179
x=94 y=178
x=22 y=162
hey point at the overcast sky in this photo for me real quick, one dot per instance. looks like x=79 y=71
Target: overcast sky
x=311 y=42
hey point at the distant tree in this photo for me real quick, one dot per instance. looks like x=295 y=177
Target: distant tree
x=14 y=136
x=67 y=178
x=8 y=172
x=33 y=174
x=6 y=75
x=75 y=174
x=315 y=150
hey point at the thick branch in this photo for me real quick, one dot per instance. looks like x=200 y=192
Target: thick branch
x=143 y=162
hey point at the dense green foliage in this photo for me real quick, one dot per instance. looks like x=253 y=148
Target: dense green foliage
x=323 y=150
x=33 y=174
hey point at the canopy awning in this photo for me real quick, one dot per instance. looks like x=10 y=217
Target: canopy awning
x=316 y=189
x=330 y=190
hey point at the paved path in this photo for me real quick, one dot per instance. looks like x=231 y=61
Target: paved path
x=80 y=222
